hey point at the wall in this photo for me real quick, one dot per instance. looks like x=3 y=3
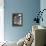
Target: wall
x=28 y=8
x=1 y=20
x=43 y=6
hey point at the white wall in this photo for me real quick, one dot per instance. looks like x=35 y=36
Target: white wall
x=1 y=20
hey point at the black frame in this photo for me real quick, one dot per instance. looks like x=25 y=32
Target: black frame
x=16 y=15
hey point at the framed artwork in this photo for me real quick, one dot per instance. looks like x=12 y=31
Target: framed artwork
x=17 y=19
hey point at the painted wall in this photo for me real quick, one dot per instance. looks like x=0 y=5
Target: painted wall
x=43 y=6
x=1 y=20
x=28 y=8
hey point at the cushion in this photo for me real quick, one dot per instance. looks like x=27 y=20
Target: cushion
x=20 y=42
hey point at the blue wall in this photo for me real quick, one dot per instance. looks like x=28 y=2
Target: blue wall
x=28 y=8
x=43 y=6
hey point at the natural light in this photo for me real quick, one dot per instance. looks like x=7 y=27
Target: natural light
x=1 y=20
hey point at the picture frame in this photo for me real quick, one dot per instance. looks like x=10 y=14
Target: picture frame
x=17 y=19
